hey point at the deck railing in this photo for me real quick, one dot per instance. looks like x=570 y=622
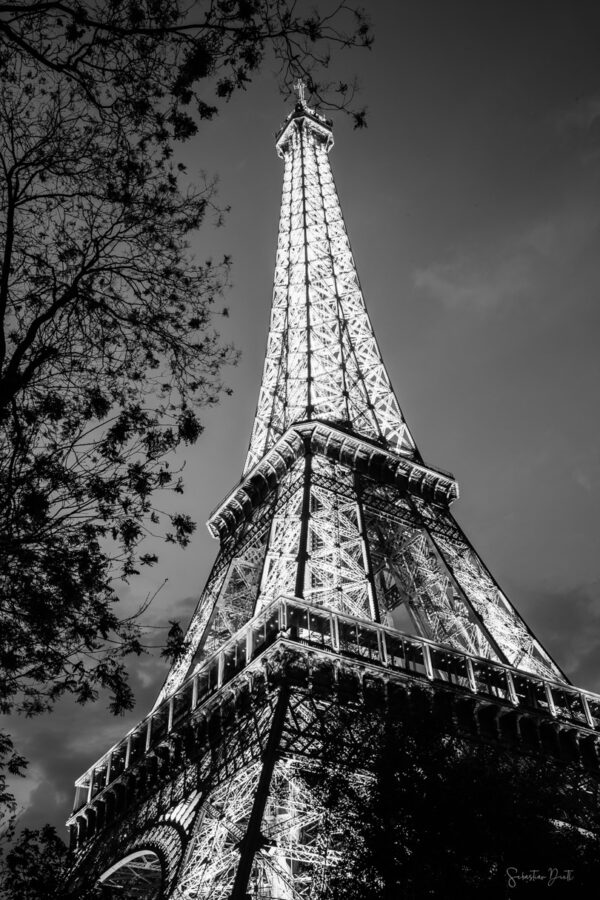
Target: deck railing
x=376 y=645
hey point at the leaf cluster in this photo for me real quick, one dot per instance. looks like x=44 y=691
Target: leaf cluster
x=32 y=867
x=165 y=64
x=432 y=814
x=107 y=352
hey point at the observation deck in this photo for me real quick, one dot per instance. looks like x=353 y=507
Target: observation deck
x=522 y=705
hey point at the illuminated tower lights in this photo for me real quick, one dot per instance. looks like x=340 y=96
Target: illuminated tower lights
x=338 y=555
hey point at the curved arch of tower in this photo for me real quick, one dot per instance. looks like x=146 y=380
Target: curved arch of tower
x=340 y=563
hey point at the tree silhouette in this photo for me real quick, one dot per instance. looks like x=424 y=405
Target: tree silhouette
x=435 y=814
x=108 y=344
x=163 y=63
x=32 y=867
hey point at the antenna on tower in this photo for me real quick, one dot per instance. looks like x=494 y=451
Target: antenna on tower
x=300 y=87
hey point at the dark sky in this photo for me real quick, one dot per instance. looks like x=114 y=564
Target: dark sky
x=473 y=207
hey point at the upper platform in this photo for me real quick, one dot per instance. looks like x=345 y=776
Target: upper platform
x=302 y=115
x=322 y=438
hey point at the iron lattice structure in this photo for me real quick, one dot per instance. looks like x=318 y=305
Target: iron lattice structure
x=340 y=568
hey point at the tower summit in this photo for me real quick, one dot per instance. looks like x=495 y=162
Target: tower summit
x=338 y=553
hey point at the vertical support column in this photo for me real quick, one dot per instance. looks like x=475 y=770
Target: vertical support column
x=511 y=689
x=550 y=699
x=309 y=375
x=303 y=553
x=427 y=660
x=586 y=710
x=471 y=675
x=250 y=842
x=371 y=589
x=249 y=644
x=90 y=792
x=264 y=568
x=335 y=632
x=382 y=647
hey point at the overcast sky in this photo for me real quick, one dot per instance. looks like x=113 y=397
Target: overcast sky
x=473 y=207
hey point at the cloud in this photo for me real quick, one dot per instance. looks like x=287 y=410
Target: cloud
x=582 y=115
x=579 y=124
x=584 y=480
x=563 y=235
x=24 y=788
x=568 y=623
x=466 y=283
x=63 y=744
x=515 y=268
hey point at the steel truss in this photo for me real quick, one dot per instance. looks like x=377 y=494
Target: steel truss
x=322 y=360
x=330 y=534
x=337 y=510
x=238 y=767
x=293 y=857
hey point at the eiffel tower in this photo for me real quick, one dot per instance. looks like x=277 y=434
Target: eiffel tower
x=340 y=567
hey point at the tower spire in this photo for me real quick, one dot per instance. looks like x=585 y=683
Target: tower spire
x=322 y=360
x=299 y=87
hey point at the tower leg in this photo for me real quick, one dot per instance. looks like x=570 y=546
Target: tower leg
x=251 y=840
